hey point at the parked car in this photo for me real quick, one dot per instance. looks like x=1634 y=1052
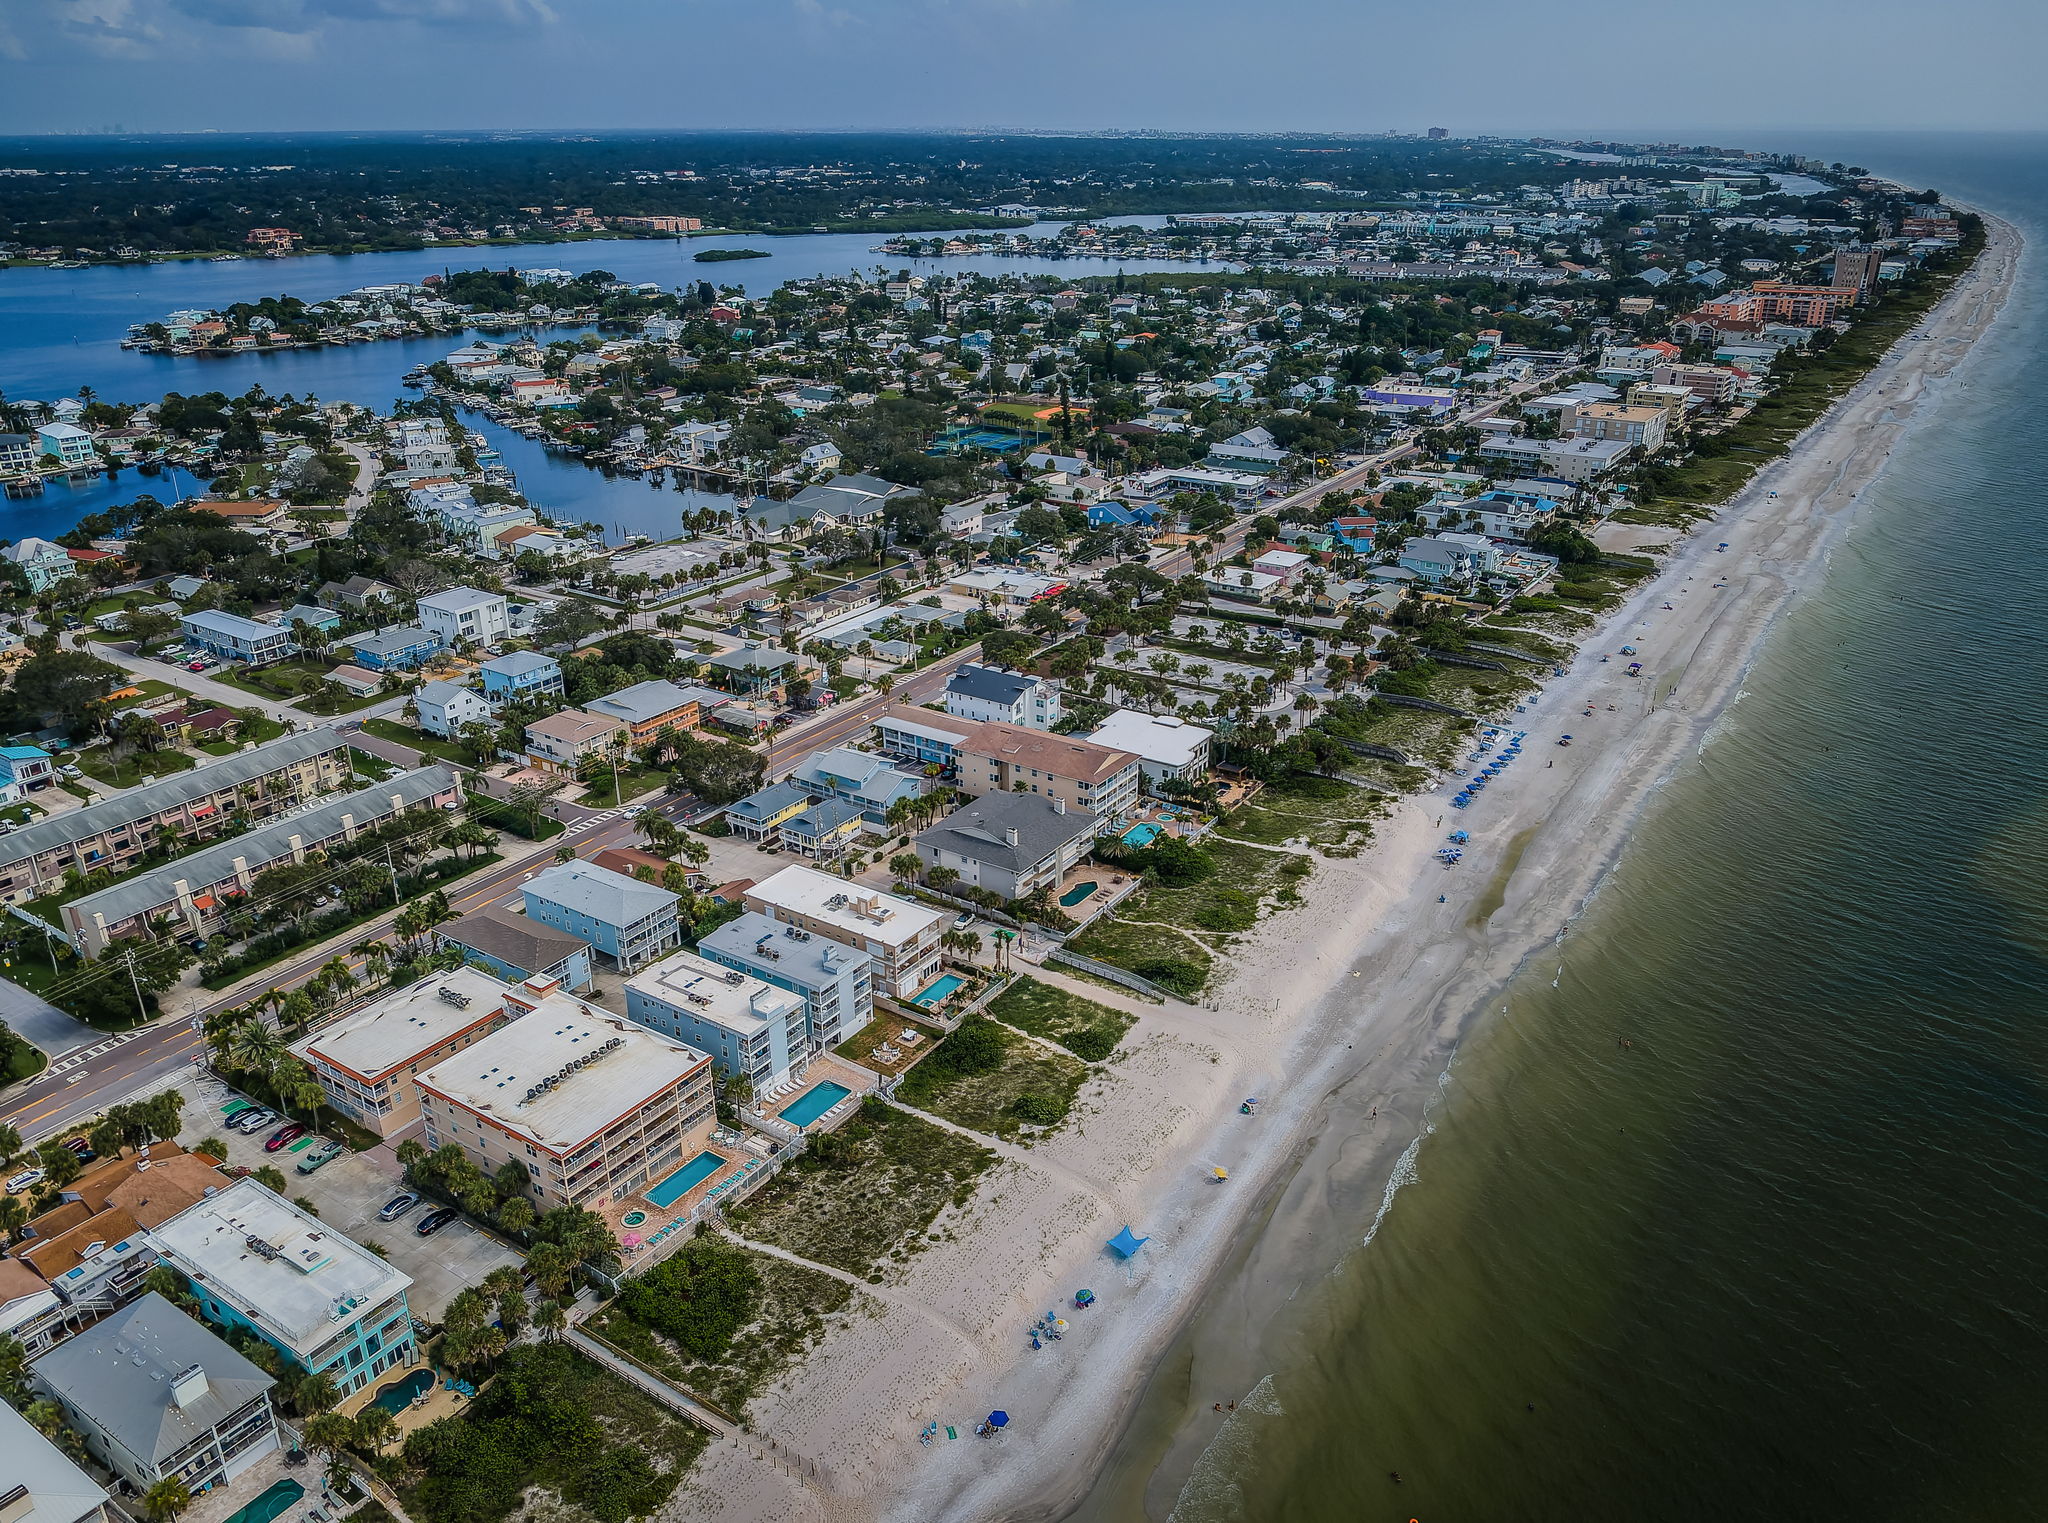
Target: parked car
x=397 y=1206
x=27 y=1179
x=434 y=1221
x=284 y=1136
x=327 y=1152
x=963 y=920
x=253 y=1120
x=81 y=1149
x=195 y=666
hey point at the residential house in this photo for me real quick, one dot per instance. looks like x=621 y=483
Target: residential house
x=324 y=1302
x=40 y=561
x=628 y=922
x=312 y=615
x=200 y=888
x=26 y=769
x=1012 y=844
x=1243 y=584
x=1287 y=565
x=835 y=982
x=1002 y=758
x=563 y=742
x=89 y=1246
x=824 y=832
x=466 y=613
x=1446 y=558
x=71 y=444
x=42 y=1485
x=354 y=681
x=158 y=1397
x=520 y=676
x=366 y=1062
x=920 y=735
x=759 y=816
x=593 y=1106
x=900 y=935
x=871 y=783
x=251 y=513
x=360 y=593
x=18 y=454
x=401 y=648
x=987 y=692
x=1171 y=750
x=445 y=707
x=750 y=1028
x=1356 y=533
x=516 y=948
x=754 y=670
x=234 y=638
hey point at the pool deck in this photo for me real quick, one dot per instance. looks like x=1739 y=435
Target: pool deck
x=1104 y=897
x=440 y=1403
x=225 y=1501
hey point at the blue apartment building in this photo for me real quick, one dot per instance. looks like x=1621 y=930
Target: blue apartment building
x=630 y=923
x=522 y=674
x=836 y=982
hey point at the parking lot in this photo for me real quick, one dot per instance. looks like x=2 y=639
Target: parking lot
x=348 y=1193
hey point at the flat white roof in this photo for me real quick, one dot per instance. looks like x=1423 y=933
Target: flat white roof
x=407 y=1025
x=289 y=1273
x=627 y=1066
x=1158 y=738
x=723 y=996
x=883 y=918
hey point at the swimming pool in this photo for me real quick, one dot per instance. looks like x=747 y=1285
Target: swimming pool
x=937 y=990
x=814 y=1102
x=397 y=1396
x=685 y=1179
x=1078 y=892
x=1141 y=835
x=276 y=1500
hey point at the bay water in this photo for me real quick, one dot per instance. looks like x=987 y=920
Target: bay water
x=1744 y=1217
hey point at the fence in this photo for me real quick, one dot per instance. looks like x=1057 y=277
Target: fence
x=1110 y=972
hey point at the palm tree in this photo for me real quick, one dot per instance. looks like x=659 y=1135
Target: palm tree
x=374 y=1428
x=166 y=1499
x=339 y=977
x=552 y=1318
x=255 y=1047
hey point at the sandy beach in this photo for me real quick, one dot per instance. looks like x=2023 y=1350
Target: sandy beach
x=1349 y=1006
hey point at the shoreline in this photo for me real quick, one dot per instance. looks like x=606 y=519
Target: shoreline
x=1288 y=1024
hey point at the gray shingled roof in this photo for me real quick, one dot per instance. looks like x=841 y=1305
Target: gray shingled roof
x=170 y=793
x=512 y=939
x=977 y=830
x=989 y=684
x=119 y=1372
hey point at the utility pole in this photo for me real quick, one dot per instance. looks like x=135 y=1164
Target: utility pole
x=141 y=1009
x=397 y=898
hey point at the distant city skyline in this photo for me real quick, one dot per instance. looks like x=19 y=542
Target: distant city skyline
x=1194 y=65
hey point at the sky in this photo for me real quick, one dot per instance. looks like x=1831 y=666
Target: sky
x=1592 y=68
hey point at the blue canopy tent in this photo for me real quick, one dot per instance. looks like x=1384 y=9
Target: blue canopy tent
x=1127 y=1242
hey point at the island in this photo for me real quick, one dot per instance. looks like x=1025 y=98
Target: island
x=719 y=256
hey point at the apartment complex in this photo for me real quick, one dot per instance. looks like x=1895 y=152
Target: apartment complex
x=234 y=638
x=645 y=709
x=158 y=1397
x=257 y=1261
x=200 y=889
x=367 y=1062
x=836 y=982
x=194 y=805
x=1640 y=426
x=593 y=1106
x=1005 y=758
x=901 y=936
x=563 y=742
x=747 y=1025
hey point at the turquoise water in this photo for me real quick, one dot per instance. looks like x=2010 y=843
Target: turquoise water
x=1077 y=893
x=937 y=990
x=1780 y=1256
x=684 y=1180
x=814 y=1102
x=280 y=1496
x=1141 y=835
x=397 y=1396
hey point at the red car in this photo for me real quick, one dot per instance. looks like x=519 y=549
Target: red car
x=284 y=1136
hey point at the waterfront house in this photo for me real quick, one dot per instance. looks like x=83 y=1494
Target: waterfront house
x=70 y=444
x=40 y=561
x=1012 y=844
x=1170 y=749
x=749 y=1027
x=900 y=935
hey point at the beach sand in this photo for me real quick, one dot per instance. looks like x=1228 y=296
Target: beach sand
x=1350 y=1005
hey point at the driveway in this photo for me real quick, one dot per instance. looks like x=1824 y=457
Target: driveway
x=31 y=1016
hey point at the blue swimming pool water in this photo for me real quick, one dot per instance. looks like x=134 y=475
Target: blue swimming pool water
x=685 y=1179
x=937 y=989
x=814 y=1102
x=1141 y=835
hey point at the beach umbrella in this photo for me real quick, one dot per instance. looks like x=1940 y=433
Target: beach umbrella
x=999 y=1419
x=1059 y=1324
x=1084 y=1298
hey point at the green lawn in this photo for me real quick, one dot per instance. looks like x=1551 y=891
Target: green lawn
x=257 y=730
x=1085 y=1028
x=633 y=781
x=1322 y=811
x=865 y=1194
x=142 y=767
x=1176 y=963
x=446 y=750
x=367 y=764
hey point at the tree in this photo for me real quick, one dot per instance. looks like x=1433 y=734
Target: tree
x=906 y=865
x=314 y=1392
x=166 y=1499
x=14 y=1386
x=272 y=1179
x=10 y=1147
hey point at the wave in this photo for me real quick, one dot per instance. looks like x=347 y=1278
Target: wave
x=1212 y=1493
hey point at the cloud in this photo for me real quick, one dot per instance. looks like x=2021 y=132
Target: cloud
x=312 y=15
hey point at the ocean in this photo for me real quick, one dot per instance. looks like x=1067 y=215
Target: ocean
x=1738 y=1210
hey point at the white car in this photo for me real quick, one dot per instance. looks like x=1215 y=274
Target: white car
x=27 y=1179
